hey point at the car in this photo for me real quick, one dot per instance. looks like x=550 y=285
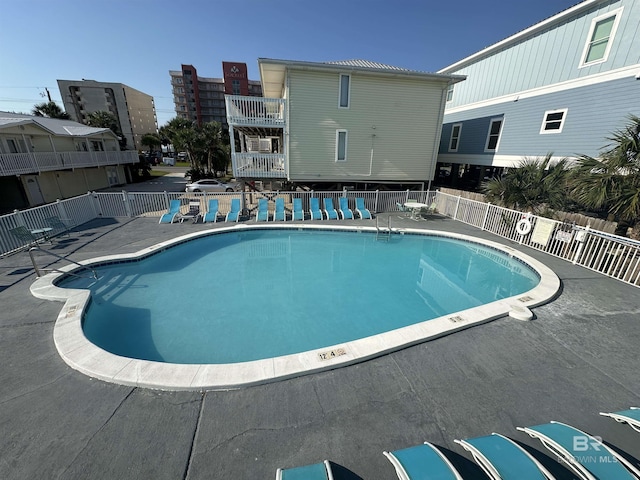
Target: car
x=211 y=185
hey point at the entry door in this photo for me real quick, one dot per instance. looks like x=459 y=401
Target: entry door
x=33 y=190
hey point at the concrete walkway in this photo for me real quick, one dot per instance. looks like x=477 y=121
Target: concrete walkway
x=578 y=357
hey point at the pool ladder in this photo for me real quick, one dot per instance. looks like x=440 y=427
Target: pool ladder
x=40 y=271
x=383 y=233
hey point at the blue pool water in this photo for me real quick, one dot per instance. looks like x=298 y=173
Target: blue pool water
x=241 y=296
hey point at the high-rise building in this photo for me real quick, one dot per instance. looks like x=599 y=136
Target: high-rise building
x=201 y=99
x=134 y=110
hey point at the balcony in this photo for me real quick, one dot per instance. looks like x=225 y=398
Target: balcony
x=23 y=163
x=255 y=111
x=258 y=165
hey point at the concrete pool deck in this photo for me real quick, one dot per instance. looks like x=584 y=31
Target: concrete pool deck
x=578 y=357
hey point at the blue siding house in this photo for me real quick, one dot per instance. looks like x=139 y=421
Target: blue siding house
x=561 y=86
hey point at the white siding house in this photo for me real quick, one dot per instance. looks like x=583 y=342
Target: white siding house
x=44 y=159
x=562 y=86
x=342 y=122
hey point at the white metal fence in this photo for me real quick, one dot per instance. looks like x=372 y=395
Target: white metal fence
x=611 y=255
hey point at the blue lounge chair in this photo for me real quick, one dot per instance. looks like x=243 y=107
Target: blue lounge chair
x=361 y=209
x=279 y=213
x=345 y=212
x=212 y=212
x=298 y=213
x=317 y=471
x=503 y=459
x=314 y=209
x=631 y=416
x=173 y=212
x=263 y=210
x=585 y=455
x=332 y=213
x=234 y=213
x=422 y=462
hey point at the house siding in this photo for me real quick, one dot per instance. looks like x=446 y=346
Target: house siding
x=594 y=112
x=395 y=118
x=549 y=57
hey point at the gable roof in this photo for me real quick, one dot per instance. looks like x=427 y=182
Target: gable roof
x=56 y=126
x=272 y=72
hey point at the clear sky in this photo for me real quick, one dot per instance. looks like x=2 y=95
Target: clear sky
x=137 y=42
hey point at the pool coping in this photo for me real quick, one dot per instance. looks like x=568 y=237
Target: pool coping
x=82 y=355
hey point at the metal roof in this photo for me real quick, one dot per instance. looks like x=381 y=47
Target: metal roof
x=367 y=64
x=65 y=128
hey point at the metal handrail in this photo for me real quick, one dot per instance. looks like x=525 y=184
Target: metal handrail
x=47 y=270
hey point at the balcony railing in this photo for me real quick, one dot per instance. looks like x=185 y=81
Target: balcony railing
x=257 y=111
x=259 y=165
x=21 y=163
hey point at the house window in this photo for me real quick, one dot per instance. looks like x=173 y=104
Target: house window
x=341 y=145
x=450 y=93
x=493 y=138
x=600 y=37
x=345 y=87
x=553 y=121
x=455 y=137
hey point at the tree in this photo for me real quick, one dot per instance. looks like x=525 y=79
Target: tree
x=151 y=140
x=50 y=110
x=612 y=181
x=534 y=185
x=104 y=119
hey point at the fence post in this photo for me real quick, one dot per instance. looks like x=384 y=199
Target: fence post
x=486 y=214
x=95 y=204
x=19 y=218
x=375 y=208
x=127 y=206
x=581 y=238
x=406 y=198
x=62 y=214
x=455 y=213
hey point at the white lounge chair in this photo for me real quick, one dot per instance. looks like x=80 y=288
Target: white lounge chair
x=631 y=417
x=587 y=456
x=422 y=462
x=503 y=459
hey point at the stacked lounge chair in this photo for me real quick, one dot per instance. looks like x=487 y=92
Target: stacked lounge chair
x=329 y=210
x=345 y=212
x=587 y=456
x=317 y=471
x=503 y=459
x=631 y=417
x=422 y=462
x=314 y=209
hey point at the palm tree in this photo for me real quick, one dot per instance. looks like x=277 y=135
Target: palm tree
x=612 y=181
x=49 y=110
x=534 y=185
x=151 y=140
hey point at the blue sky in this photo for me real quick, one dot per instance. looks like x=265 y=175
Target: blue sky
x=137 y=42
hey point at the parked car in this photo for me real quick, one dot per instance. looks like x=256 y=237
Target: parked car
x=211 y=185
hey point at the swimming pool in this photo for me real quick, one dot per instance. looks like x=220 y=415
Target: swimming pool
x=245 y=305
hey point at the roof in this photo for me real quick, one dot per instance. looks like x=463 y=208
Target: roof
x=518 y=37
x=272 y=71
x=56 y=126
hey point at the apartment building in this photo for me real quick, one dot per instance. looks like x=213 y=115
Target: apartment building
x=201 y=99
x=134 y=110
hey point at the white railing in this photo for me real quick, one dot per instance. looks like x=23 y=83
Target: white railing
x=21 y=163
x=611 y=255
x=258 y=165
x=255 y=110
